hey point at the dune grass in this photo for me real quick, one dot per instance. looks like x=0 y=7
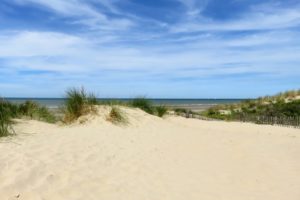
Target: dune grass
x=283 y=109
x=28 y=109
x=290 y=94
x=147 y=106
x=144 y=104
x=5 y=118
x=78 y=102
x=181 y=110
x=5 y=124
x=161 y=110
x=35 y=111
x=116 y=116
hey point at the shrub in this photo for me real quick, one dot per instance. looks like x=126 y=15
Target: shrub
x=78 y=103
x=161 y=111
x=262 y=110
x=116 y=116
x=181 y=110
x=215 y=114
x=143 y=104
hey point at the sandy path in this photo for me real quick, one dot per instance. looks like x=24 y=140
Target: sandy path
x=170 y=159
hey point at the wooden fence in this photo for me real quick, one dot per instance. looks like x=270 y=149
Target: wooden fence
x=278 y=121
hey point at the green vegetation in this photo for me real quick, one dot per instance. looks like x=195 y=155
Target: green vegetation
x=161 y=110
x=28 y=109
x=116 y=116
x=147 y=106
x=34 y=111
x=9 y=108
x=144 y=104
x=78 y=103
x=282 y=108
x=5 y=118
x=288 y=95
x=181 y=111
x=185 y=112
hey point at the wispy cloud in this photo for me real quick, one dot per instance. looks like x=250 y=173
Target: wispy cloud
x=254 y=21
x=84 y=13
x=116 y=44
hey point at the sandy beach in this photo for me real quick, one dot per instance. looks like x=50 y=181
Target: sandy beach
x=150 y=159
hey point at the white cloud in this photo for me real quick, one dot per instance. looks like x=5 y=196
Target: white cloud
x=87 y=15
x=253 y=20
x=67 y=7
x=139 y=51
x=29 y=44
x=74 y=54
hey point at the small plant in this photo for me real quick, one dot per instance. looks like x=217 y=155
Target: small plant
x=78 y=103
x=43 y=114
x=29 y=108
x=264 y=110
x=181 y=110
x=75 y=103
x=5 y=119
x=12 y=109
x=116 y=116
x=161 y=111
x=143 y=104
x=35 y=111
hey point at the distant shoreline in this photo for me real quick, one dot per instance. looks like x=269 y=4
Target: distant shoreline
x=191 y=104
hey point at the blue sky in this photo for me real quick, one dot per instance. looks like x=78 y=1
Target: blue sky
x=157 y=48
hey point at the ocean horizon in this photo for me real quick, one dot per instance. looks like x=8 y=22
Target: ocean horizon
x=195 y=104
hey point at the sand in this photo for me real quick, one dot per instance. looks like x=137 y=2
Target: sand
x=150 y=159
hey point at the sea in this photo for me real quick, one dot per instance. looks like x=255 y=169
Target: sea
x=192 y=104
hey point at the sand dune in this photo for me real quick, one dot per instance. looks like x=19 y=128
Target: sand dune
x=150 y=159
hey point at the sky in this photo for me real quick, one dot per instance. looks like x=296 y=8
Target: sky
x=153 y=48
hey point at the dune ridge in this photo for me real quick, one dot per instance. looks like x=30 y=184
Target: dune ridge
x=149 y=158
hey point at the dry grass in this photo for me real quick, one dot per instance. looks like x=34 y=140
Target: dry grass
x=116 y=116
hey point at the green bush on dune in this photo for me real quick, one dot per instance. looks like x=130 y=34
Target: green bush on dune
x=78 y=103
x=11 y=109
x=43 y=114
x=180 y=110
x=283 y=108
x=30 y=109
x=161 y=110
x=35 y=111
x=5 y=118
x=144 y=104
